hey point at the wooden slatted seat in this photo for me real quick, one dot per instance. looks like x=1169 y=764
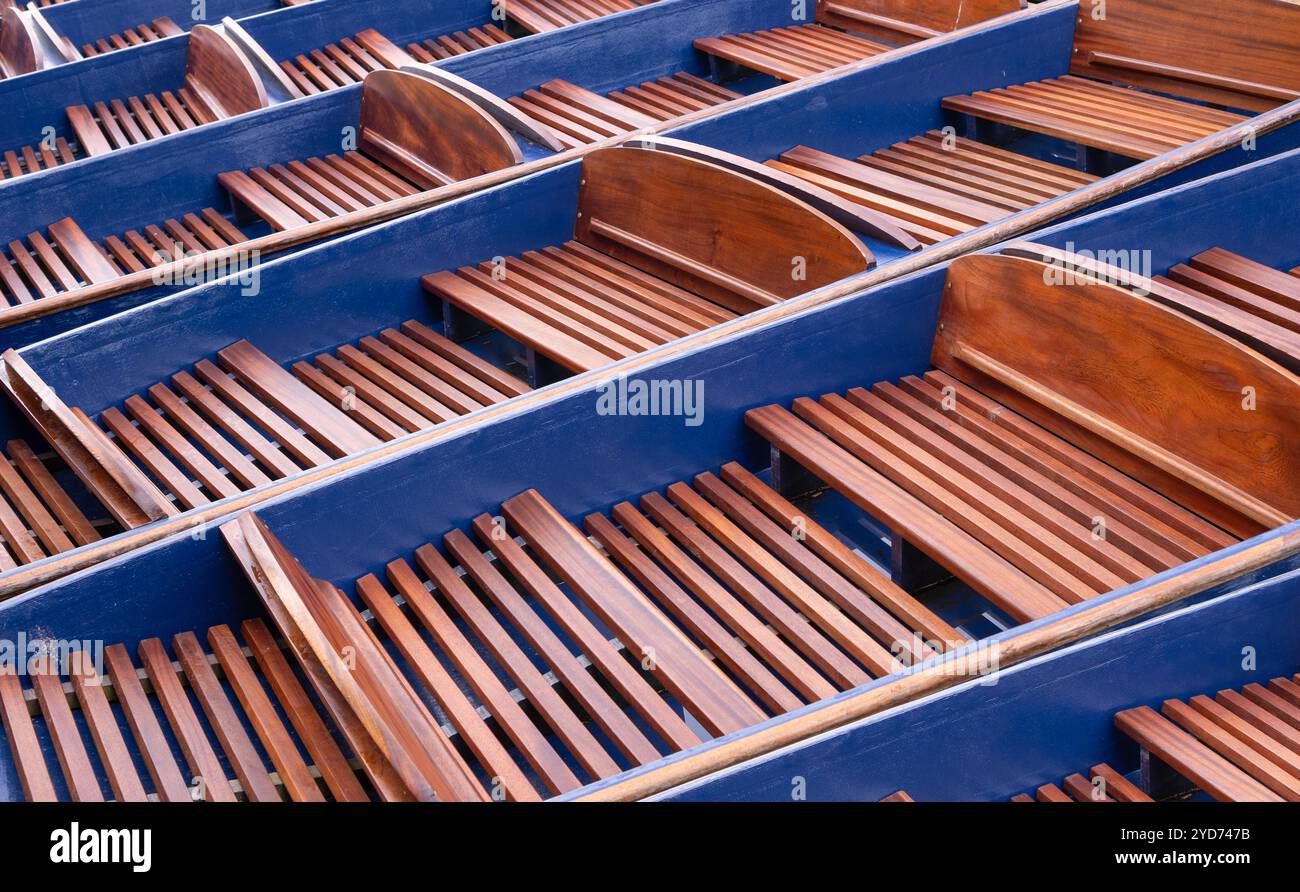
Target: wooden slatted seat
x=1033 y=487
x=414 y=135
x=31 y=159
x=579 y=117
x=522 y=639
x=250 y=732
x=219 y=82
x=349 y=60
x=741 y=621
x=537 y=16
x=1132 y=88
x=934 y=187
x=845 y=31
x=141 y=34
x=1101 y=784
x=1124 y=121
x=38 y=517
x=636 y=275
x=1237 y=746
x=64 y=258
x=227 y=427
x=1251 y=301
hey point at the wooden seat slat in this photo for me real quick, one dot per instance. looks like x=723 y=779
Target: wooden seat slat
x=150 y=420
x=27 y=499
x=74 y=761
x=797 y=592
x=722 y=643
x=990 y=521
x=24 y=746
x=1220 y=738
x=1004 y=455
x=263 y=718
x=370 y=406
x=336 y=433
x=987 y=573
x=803 y=635
x=730 y=609
x=159 y=465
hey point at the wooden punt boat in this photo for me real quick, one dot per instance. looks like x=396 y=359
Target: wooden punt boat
x=47 y=35
x=413 y=332
x=701 y=594
x=554 y=93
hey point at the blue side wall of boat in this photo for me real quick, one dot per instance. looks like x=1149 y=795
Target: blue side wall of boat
x=1041 y=720
x=584 y=462
x=86 y=21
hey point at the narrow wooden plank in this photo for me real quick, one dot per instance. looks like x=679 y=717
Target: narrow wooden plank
x=593 y=697
x=33 y=774
x=338 y=434
x=78 y=773
x=540 y=692
x=168 y=782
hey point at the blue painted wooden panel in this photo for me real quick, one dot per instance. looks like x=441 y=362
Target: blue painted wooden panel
x=1041 y=720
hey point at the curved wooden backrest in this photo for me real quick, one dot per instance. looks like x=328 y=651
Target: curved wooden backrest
x=278 y=85
x=903 y=21
x=723 y=235
x=428 y=133
x=1242 y=53
x=1186 y=409
x=19 y=52
x=220 y=75
x=500 y=111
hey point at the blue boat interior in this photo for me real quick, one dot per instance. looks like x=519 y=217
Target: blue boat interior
x=581 y=459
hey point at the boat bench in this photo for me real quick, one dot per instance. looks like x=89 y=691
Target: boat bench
x=638 y=273
x=933 y=186
x=219 y=82
x=1132 y=90
x=38 y=517
x=1029 y=465
x=538 y=16
x=414 y=135
x=31 y=159
x=349 y=60
x=726 y=615
x=1237 y=746
x=845 y=31
x=580 y=117
x=141 y=34
x=241 y=422
x=1102 y=784
x=65 y=259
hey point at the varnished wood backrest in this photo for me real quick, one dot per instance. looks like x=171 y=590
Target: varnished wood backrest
x=725 y=236
x=1241 y=53
x=220 y=76
x=1193 y=413
x=28 y=43
x=428 y=133
x=904 y=21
